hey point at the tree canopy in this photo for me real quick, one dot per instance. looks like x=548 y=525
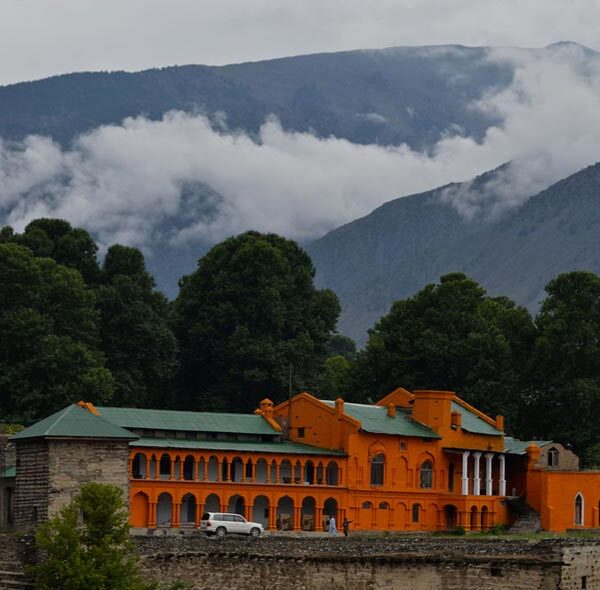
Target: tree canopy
x=71 y=328
x=247 y=313
x=57 y=239
x=48 y=337
x=135 y=334
x=451 y=336
x=563 y=399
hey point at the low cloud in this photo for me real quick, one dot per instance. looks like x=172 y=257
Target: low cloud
x=180 y=179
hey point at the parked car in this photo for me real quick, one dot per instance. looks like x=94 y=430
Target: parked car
x=224 y=523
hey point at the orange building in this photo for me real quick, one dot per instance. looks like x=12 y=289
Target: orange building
x=421 y=461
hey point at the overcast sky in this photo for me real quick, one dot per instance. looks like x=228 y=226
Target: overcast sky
x=39 y=38
x=125 y=181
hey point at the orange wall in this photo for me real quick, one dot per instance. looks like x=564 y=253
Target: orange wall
x=559 y=489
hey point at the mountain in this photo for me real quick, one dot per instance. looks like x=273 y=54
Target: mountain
x=410 y=95
x=409 y=242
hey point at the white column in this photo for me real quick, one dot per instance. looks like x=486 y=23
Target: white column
x=502 y=480
x=489 y=457
x=476 y=479
x=465 y=474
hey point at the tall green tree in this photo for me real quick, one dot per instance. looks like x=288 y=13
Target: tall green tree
x=86 y=546
x=57 y=239
x=247 y=313
x=563 y=399
x=135 y=334
x=450 y=335
x=48 y=337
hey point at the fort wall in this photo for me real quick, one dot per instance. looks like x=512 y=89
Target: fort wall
x=360 y=563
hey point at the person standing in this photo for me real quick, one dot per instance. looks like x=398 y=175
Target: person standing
x=332 y=527
x=346 y=526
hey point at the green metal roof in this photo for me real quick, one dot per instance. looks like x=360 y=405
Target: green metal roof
x=286 y=447
x=188 y=421
x=375 y=419
x=471 y=422
x=74 y=421
x=514 y=446
x=8 y=472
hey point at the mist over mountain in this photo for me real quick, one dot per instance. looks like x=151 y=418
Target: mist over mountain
x=174 y=160
x=409 y=242
x=409 y=95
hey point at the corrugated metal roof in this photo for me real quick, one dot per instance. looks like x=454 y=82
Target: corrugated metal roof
x=375 y=419
x=189 y=421
x=8 y=472
x=514 y=446
x=74 y=421
x=285 y=447
x=473 y=423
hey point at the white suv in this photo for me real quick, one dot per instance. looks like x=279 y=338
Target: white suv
x=223 y=523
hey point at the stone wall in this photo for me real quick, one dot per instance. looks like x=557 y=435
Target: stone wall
x=8 y=458
x=582 y=561
x=32 y=485
x=51 y=472
x=8 y=452
x=357 y=563
x=74 y=462
x=16 y=553
x=370 y=563
x=394 y=573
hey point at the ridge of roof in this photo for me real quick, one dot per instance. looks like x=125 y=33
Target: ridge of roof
x=472 y=422
x=467 y=406
x=158 y=419
x=375 y=419
x=515 y=446
x=74 y=421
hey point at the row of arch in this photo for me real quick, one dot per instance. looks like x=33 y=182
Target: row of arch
x=235 y=469
x=418 y=516
x=285 y=514
x=308 y=513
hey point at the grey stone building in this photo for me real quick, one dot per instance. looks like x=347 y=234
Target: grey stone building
x=56 y=456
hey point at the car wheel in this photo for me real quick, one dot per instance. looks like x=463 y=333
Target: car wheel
x=255 y=532
x=221 y=532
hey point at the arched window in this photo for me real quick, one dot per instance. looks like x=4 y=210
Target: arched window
x=331 y=473
x=416 y=512
x=139 y=466
x=367 y=505
x=188 y=468
x=579 y=510
x=426 y=475
x=553 y=457
x=384 y=506
x=377 y=469
x=165 y=466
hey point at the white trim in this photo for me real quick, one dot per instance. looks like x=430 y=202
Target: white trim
x=502 y=478
x=489 y=457
x=476 y=478
x=465 y=473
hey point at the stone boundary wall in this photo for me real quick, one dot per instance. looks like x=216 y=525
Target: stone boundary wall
x=371 y=563
x=357 y=563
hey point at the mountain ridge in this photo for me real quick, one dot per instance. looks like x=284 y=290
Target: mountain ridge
x=551 y=232
x=390 y=96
